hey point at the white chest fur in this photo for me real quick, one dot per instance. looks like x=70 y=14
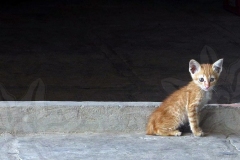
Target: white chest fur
x=205 y=98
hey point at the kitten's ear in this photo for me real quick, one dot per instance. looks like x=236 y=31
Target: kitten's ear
x=194 y=66
x=217 y=66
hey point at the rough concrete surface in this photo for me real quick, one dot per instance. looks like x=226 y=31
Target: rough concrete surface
x=96 y=146
x=110 y=130
x=74 y=117
x=19 y=117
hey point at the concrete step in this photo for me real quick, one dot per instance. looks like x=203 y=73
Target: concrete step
x=109 y=146
x=27 y=117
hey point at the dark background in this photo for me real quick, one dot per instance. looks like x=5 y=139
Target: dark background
x=113 y=50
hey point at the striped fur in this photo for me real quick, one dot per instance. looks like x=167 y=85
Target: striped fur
x=182 y=106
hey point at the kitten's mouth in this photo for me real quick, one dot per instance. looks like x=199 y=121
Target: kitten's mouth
x=207 y=89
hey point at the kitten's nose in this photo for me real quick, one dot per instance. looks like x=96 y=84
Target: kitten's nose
x=207 y=85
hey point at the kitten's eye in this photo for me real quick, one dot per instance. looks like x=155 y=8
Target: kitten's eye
x=201 y=79
x=212 y=79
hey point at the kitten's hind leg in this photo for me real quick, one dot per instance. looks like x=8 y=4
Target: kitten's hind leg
x=176 y=133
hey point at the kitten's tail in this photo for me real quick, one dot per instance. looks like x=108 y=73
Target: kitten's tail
x=150 y=128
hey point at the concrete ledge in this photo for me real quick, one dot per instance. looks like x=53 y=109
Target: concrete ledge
x=41 y=117
x=22 y=117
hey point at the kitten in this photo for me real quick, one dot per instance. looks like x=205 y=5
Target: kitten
x=182 y=106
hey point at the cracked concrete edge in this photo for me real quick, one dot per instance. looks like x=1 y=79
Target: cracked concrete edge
x=26 y=117
x=234 y=141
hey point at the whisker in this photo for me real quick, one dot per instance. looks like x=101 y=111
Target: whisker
x=215 y=91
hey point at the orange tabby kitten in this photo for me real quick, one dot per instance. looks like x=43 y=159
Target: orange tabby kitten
x=183 y=104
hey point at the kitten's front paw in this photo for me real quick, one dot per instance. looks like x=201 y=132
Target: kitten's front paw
x=198 y=133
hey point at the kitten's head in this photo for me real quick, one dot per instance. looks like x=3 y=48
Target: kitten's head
x=205 y=75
